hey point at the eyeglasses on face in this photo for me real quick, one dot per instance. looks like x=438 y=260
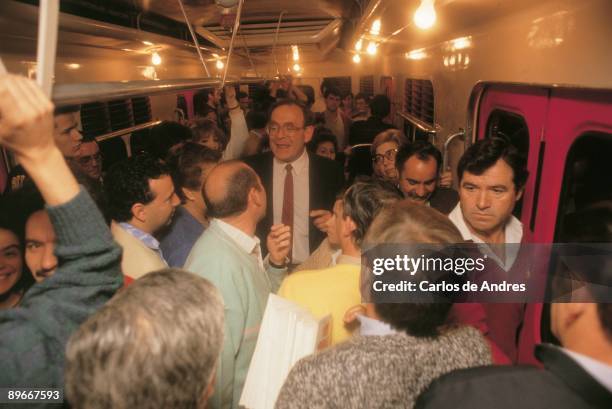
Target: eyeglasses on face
x=288 y=129
x=389 y=155
x=86 y=160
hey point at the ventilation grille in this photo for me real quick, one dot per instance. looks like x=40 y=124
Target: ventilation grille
x=419 y=99
x=366 y=85
x=267 y=27
x=342 y=83
x=141 y=109
x=99 y=118
x=94 y=117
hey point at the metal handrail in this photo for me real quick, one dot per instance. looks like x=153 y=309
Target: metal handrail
x=231 y=45
x=194 y=37
x=126 y=131
x=81 y=93
x=423 y=126
x=461 y=133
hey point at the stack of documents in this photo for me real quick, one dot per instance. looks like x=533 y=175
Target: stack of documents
x=288 y=333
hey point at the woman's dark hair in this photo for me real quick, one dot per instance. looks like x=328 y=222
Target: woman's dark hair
x=164 y=136
x=15 y=209
x=321 y=135
x=202 y=127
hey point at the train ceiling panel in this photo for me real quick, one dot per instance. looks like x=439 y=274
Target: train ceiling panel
x=322 y=23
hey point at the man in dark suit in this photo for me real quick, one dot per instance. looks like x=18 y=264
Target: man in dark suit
x=418 y=166
x=301 y=188
x=576 y=375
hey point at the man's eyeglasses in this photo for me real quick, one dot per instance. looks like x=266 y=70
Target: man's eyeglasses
x=288 y=129
x=86 y=160
x=389 y=155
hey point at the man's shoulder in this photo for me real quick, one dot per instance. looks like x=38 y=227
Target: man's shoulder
x=325 y=163
x=480 y=386
x=258 y=160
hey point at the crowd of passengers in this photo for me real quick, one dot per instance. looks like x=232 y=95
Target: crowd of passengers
x=144 y=285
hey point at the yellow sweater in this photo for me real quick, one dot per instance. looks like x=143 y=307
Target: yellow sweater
x=328 y=291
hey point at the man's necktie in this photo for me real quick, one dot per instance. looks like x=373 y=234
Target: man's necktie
x=287 y=216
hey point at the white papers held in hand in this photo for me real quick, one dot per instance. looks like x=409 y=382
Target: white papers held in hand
x=288 y=333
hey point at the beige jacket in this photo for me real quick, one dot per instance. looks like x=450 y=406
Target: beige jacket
x=137 y=259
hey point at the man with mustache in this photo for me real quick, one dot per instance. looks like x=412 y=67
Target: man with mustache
x=141 y=201
x=418 y=166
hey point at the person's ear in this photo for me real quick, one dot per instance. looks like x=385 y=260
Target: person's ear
x=565 y=315
x=255 y=197
x=188 y=194
x=348 y=226
x=308 y=132
x=520 y=194
x=139 y=212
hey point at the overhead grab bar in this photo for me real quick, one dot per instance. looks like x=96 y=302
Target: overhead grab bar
x=47 y=44
x=195 y=39
x=126 y=131
x=231 y=46
x=81 y=93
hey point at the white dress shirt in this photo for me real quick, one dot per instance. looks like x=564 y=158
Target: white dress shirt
x=250 y=245
x=600 y=371
x=301 y=202
x=513 y=231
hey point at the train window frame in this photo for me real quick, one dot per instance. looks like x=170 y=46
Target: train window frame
x=343 y=83
x=496 y=115
x=567 y=186
x=567 y=183
x=366 y=85
x=419 y=101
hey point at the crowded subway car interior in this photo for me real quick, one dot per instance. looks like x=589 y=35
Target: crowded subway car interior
x=323 y=204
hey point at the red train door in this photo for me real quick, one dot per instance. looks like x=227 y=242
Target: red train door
x=566 y=135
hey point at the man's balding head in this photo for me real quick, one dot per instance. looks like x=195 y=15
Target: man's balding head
x=229 y=187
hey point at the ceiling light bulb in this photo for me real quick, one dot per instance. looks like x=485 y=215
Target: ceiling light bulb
x=296 y=53
x=356 y=59
x=371 y=48
x=155 y=58
x=425 y=15
x=375 y=30
x=220 y=65
x=359 y=44
x=296 y=67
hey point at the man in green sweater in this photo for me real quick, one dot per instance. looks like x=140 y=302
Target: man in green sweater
x=229 y=255
x=35 y=334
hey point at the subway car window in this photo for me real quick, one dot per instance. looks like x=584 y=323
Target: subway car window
x=586 y=179
x=419 y=103
x=513 y=128
x=366 y=85
x=342 y=83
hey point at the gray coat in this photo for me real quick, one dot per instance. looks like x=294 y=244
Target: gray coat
x=380 y=371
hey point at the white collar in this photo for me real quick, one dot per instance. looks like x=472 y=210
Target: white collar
x=371 y=326
x=243 y=240
x=598 y=370
x=344 y=259
x=298 y=165
x=513 y=231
